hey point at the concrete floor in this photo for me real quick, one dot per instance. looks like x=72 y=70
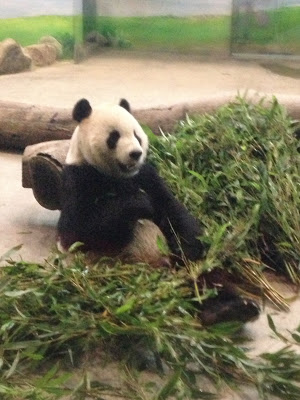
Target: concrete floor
x=144 y=82
x=23 y=220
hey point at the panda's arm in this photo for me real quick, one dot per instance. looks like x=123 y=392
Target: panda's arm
x=181 y=229
x=73 y=203
x=88 y=212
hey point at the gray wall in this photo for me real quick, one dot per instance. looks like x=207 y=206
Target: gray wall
x=24 y=8
x=163 y=7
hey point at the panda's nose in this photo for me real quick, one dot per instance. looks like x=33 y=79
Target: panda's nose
x=135 y=155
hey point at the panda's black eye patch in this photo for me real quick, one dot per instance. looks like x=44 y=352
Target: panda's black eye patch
x=112 y=140
x=137 y=138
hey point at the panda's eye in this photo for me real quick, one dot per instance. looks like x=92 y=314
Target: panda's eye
x=112 y=140
x=137 y=138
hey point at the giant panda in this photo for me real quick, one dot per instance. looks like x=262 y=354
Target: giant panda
x=115 y=202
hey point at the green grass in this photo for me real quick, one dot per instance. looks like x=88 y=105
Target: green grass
x=282 y=29
x=153 y=33
x=194 y=35
x=29 y=30
x=238 y=171
x=169 y=33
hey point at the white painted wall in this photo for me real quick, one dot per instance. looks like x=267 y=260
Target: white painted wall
x=25 y=8
x=163 y=7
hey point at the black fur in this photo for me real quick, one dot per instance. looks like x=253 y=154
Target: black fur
x=81 y=110
x=112 y=140
x=180 y=228
x=101 y=211
x=124 y=103
x=137 y=138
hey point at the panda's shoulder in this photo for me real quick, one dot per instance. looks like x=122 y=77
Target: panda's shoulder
x=78 y=170
x=148 y=174
x=86 y=177
x=82 y=174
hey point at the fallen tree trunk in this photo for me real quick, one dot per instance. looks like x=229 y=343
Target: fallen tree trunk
x=22 y=124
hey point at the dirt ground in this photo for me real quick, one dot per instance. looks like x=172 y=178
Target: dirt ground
x=145 y=82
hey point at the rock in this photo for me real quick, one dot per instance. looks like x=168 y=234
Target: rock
x=41 y=54
x=94 y=42
x=53 y=42
x=96 y=37
x=112 y=41
x=12 y=58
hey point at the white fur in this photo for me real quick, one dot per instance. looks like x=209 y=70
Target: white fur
x=88 y=143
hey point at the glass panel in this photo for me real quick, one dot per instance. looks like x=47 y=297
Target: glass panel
x=266 y=27
x=191 y=27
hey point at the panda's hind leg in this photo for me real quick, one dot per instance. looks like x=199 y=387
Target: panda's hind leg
x=228 y=305
x=148 y=246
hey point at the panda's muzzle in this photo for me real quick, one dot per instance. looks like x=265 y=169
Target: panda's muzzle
x=132 y=165
x=135 y=155
x=129 y=169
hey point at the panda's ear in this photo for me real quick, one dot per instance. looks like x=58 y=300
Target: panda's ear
x=124 y=103
x=81 y=110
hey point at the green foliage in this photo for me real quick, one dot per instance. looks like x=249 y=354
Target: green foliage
x=236 y=170
x=67 y=41
x=66 y=309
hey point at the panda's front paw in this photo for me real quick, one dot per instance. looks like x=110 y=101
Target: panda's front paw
x=186 y=251
x=194 y=250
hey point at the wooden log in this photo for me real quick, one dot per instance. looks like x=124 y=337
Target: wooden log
x=55 y=151
x=22 y=124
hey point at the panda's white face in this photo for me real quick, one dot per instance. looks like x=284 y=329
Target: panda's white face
x=108 y=138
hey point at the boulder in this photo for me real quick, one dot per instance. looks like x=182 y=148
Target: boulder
x=53 y=42
x=12 y=58
x=41 y=54
x=94 y=42
x=97 y=38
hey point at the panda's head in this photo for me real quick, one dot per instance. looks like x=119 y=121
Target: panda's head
x=108 y=138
